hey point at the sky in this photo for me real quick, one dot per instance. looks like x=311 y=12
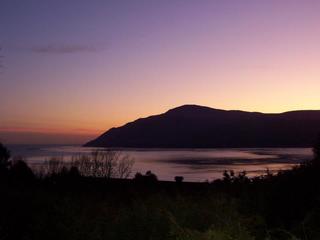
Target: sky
x=70 y=70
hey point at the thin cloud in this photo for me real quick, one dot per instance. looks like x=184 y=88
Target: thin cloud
x=63 y=49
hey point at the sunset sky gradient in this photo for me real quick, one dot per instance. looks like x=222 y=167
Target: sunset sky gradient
x=72 y=69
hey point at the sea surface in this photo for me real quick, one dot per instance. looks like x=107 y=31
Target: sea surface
x=193 y=164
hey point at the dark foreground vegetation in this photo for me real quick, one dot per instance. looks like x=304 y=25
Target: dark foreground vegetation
x=66 y=202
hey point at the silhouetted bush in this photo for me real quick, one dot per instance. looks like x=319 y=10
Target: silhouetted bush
x=283 y=206
x=231 y=177
x=105 y=164
x=4 y=157
x=149 y=177
x=99 y=164
x=20 y=171
x=178 y=179
x=138 y=176
x=74 y=172
x=51 y=167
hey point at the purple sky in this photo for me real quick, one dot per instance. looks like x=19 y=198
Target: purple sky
x=72 y=69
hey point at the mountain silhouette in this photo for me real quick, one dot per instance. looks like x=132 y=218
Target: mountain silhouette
x=192 y=126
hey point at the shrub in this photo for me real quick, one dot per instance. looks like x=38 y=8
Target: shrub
x=107 y=164
x=100 y=164
x=148 y=177
x=4 y=157
x=20 y=171
x=178 y=179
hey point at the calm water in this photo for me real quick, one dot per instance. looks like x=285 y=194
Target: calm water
x=193 y=164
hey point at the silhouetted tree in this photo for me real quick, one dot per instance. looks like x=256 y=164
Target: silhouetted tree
x=52 y=167
x=228 y=176
x=20 y=171
x=138 y=176
x=147 y=178
x=124 y=167
x=178 y=179
x=4 y=158
x=107 y=164
x=69 y=174
x=74 y=172
x=64 y=172
x=151 y=176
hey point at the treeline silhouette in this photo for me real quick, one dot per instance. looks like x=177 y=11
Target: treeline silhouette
x=90 y=198
x=105 y=164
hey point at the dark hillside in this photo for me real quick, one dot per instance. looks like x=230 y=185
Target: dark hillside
x=192 y=126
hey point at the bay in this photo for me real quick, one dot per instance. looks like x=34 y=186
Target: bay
x=193 y=164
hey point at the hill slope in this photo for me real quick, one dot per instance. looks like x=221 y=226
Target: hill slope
x=192 y=126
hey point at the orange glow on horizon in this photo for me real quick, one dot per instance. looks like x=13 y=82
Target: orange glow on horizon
x=103 y=70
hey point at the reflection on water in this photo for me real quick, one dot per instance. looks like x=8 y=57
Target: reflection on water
x=193 y=164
